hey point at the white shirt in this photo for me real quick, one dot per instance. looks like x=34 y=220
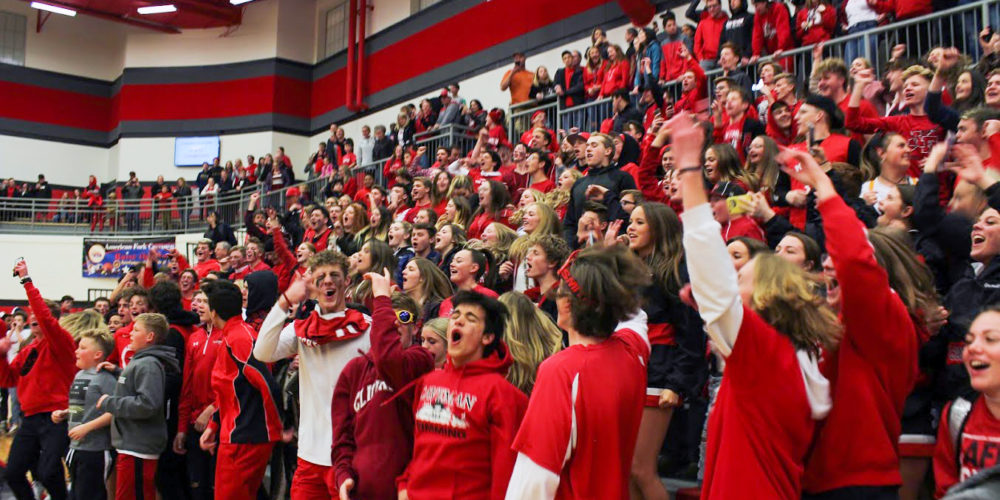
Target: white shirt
x=858 y=11
x=319 y=369
x=882 y=188
x=365 y=147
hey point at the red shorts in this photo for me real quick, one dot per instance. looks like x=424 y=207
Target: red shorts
x=312 y=482
x=239 y=469
x=136 y=478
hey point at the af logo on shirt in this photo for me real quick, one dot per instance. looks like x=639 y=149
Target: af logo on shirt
x=444 y=411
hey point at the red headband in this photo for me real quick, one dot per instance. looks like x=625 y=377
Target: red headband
x=571 y=283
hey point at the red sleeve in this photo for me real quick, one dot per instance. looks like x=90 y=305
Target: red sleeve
x=876 y=323
x=342 y=415
x=994 y=142
x=399 y=366
x=506 y=412
x=945 y=465
x=646 y=176
x=885 y=6
x=286 y=260
x=829 y=20
x=182 y=263
x=865 y=124
x=758 y=34
x=544 y=435
x=783 y=24
x=146 y=280
x=800 y=17
x=184 y=409
x=719 y=134
x=699 y=44
x=60 y=341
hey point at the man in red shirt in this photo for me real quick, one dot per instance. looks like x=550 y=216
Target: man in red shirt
x=252 y=260
x=466 y=413
x=421 y=194
x=772 y=29
x=195 y=408
x=42 y=371
x=248 y=422
x=205 y=263
x=740 y=130
x=830 y=76
x=711 y=22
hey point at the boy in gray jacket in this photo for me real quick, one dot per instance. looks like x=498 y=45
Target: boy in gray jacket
x=139 y=424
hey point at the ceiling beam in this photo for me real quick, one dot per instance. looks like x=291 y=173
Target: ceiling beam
x=109 y=16
x=231 y=15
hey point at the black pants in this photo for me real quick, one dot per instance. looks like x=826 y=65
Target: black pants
x=200 y=468
x=170 y=474
x=87 y=472
x=38 y=446
x=857 y=493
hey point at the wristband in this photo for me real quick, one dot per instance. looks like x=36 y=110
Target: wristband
x=685 y=170
x=286 y=300
x=25 y=280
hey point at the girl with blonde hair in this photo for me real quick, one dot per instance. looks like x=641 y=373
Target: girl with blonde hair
x=531 y=336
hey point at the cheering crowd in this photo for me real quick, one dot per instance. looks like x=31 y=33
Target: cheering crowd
x=791 y=292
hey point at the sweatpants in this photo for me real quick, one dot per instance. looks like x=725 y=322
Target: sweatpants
x=39 y=445
x=136 y=479
x=200 y=468
x=239 y=470
x=87 y=472
x=312 y=481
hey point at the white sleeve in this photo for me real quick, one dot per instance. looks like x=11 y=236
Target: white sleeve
x=713 y=278
x=530 y=481
x=638 y=323
x=275 y=342
x=455 y=168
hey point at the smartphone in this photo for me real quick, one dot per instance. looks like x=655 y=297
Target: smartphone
x=988 y=35
x=734 y=205
x=950 y=140
x=16 y=262
x=812 y=135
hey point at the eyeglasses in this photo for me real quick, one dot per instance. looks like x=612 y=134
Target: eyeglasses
x=405 y=317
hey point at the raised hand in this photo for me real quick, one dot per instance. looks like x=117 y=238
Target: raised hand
x=381 y=283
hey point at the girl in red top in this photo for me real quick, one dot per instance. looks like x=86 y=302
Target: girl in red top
x=772 y=391
x=593 y=73
x=617 y=75
x=580 y=429
x=494 y=200
x=970 y=427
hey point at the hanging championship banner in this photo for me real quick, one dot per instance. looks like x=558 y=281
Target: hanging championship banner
x=109 y=258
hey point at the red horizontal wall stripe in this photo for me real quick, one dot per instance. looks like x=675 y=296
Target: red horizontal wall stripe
x=390 y=66
x=55 y=107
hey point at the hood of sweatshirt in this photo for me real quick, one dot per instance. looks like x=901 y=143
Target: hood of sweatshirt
x=630 y=151
x=181 y=317
x=499 y=361
x=262 y=291
x=164 y=353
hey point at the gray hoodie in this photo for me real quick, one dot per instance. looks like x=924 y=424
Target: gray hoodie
x=139 y=426
x=984 y=485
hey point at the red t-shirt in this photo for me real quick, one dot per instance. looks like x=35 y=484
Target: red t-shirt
x=761 y=426
x=979 y=447
x=544 y=186
x=584 y=415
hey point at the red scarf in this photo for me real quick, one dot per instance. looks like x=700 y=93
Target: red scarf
x=315 y=330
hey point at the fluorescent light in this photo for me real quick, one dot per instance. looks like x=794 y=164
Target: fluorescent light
x=157 y=9
x=238 y=2
x=53 y=8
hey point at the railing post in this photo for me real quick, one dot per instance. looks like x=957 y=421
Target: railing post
x=868 y=54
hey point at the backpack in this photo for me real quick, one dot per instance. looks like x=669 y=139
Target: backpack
x=958 y=416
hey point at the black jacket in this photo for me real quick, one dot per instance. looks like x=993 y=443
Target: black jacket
x=610 y=177
x=943 y=238
x=382 y=149
x=739 y=30
x=629 y=114
x=221 y=232
x=574 y=89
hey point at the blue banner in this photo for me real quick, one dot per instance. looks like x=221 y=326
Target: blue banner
x=107 y=258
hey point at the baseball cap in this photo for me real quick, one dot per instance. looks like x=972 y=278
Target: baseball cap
x=725 y=189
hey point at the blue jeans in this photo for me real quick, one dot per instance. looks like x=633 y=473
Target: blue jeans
x=854 y=49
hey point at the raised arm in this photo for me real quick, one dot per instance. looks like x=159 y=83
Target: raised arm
x=276 y=341
x=713 y=278
x=398 y=365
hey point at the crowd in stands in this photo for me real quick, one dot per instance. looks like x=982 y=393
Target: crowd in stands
x=782 y=291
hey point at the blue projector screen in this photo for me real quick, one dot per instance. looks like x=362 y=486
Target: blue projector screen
x=193 y=151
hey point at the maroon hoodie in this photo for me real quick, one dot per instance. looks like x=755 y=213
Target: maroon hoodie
x=372 y=428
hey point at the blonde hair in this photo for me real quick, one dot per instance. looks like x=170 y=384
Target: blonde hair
x=505 y=238
x=82 y=321
x=548 y=224
x=439 y=326
x=518 y=215
x=102 y=339
x=786 y=298
x=156 y=323
x=531 y=337
x=917 y=70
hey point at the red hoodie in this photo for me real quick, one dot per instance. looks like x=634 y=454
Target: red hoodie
x=372 y=413
x=287 y=269
x=321 y=241
x=822 y=21
x=646 y=175
x=706 y=37
x=615 y=78
x=466 y=420
x=196 y=390
x=772 y=29
x=43 y=370
x=203 y=268
x=872 y=371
